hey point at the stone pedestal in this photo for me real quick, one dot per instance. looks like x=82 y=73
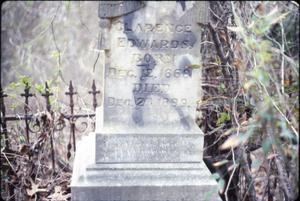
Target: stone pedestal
x=142 y=167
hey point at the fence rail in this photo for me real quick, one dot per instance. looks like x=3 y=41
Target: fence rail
x=43 y=125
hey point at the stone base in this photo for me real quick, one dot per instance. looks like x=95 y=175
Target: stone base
x=144 y=193
x=138 y=181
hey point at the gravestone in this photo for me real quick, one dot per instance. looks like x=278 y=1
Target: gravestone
x=147 y=146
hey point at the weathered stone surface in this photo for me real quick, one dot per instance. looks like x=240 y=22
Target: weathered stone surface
x=139 y=181
x=151 y=148
x=110 y=9
x=150 y=74
x=146 y=193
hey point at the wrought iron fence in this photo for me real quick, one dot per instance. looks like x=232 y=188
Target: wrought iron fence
x=49 y=122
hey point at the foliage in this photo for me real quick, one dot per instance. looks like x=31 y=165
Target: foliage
x=260 y=111
x=36 y=155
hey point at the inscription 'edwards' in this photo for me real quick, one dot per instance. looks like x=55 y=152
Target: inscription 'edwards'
x=147 y=145
x=154 y=44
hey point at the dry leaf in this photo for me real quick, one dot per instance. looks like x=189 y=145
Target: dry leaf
x=230 y=168
x=219 y=163
x=260 y=9
x=24 y=149
x=271 y=156
x=243 y=119
x=233 y=141
x=279 y=18
x=223 y=36
x=237 y=63
x=235 y=29
x=58 y=194
x=34 y=189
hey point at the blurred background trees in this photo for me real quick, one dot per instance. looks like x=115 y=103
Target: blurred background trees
x=49 y=41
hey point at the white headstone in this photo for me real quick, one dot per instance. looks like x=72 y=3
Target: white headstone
x=148 y=146
x=150 y=78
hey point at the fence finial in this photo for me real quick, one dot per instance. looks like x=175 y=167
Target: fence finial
x=94 y=92
x=47 y=94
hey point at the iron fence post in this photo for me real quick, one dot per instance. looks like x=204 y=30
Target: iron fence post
x=72 y=123
x=47 y=95
x=94 y=92
x=3 y=118
x=26 y=94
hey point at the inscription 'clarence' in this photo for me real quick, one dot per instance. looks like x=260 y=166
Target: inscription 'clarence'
x=155 y=28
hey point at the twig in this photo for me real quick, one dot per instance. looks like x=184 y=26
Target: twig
x=56 y=46
x=282 y=58
x=215 y=14
x=232 y=150
x=231 y=176
x=98 y=54
x=80 y=19
x=9 y=163
x=295 y=3
x=282 y=171
x=218 y=44
x=268 y=182
x=53 y=35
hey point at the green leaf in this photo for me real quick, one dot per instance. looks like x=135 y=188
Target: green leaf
x=52 y=100
x=22 y=139
x=221 y=185
x=55 y=54
x=285 y=132
x=223 y=117
x=40 y=88
x=13 y=85
x=25 y=79
x=266 y=145
x=256 y=163
x=214 y=176
x=29 y=3
x=208 y=195
x=222 y=88
x=194 y=66
x=68 y=5
x=13 y=106
x=260 y=74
